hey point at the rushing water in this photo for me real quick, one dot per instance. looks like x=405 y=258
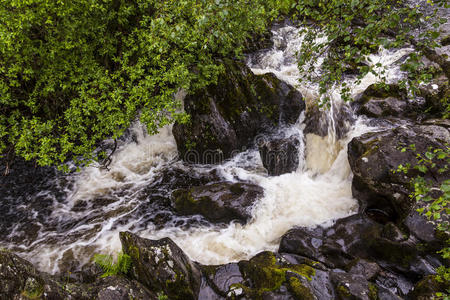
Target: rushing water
x=84 y=212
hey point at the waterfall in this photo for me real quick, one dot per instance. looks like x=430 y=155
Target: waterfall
x=101 y=203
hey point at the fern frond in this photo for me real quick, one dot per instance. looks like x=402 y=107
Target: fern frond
x=106 y=263
x=123 y=263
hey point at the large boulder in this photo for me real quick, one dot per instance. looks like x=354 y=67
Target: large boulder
x=428 y=287
x=280 y=156
x=437 y=95
x=383 y=101
x=119 y=288
x=21 y=280
x=374 y=158
x=358 y=237
x=227 y=116
x=218 y=202
x=269 y=276
x=162 y=266
x=222 y=277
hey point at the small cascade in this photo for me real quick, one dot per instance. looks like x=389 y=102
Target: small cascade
x=134 y=194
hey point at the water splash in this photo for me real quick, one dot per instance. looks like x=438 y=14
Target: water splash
x=134 y=194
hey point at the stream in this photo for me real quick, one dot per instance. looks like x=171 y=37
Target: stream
x=62 y=221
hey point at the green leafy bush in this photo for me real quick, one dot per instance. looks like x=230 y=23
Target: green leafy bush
x=106 y=262
x=73 y=73
x=344 y=34
x=434 y=201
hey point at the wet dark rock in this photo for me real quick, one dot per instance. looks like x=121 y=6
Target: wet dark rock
x=382 y=101
x=120 y=288
x=358 y=237
x=352 y=286
x=436 y=94
x=393 y=285
x=207 y=292
x=369 y=270
x=181 y=177
x=374 y=157
x=14 y=274
x=280 y=156
x=218 y=202
x=427 y=288
x=226 y=117
x=268 y=276
x=161 y=265
x=21 y=280
x=420 y=227
x=222 y=277
x=322 y=121
x=320 y=284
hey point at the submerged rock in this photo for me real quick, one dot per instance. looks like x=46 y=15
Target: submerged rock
x=218 y=202
x=162 y=266
x=325 y=121
x=280 y=156
x=374 y=157
x=226 y=117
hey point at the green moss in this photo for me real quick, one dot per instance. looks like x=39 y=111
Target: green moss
x=373 y=291
x=371 y=148
x=237 y=189
x=303 y=270
x=178 y=288
x=266 y=275
x=33 y=289
x=209 y=271
x=299 y=290
x=133 y=251
x=343 y=291
x=183 y=198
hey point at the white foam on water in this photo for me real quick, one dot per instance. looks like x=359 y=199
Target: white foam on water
x=319 y=192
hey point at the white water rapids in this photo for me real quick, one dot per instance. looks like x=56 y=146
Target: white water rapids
x=102 y=203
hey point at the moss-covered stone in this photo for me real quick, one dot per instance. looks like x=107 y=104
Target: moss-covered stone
x=33 y=289
x=428 y=287
x=162 y=266
x=227 y=116
x=343 y=291
x=298 y=290
x=219 y=202
x=266 y=274
x=373 y=291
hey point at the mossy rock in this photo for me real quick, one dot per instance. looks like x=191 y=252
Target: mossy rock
x=299 y=290
x=227 y=116
x=265 y=273
x=162 y=266
x=428 y=287
x=218 y=202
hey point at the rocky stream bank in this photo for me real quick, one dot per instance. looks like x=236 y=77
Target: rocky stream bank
x=386 y=250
